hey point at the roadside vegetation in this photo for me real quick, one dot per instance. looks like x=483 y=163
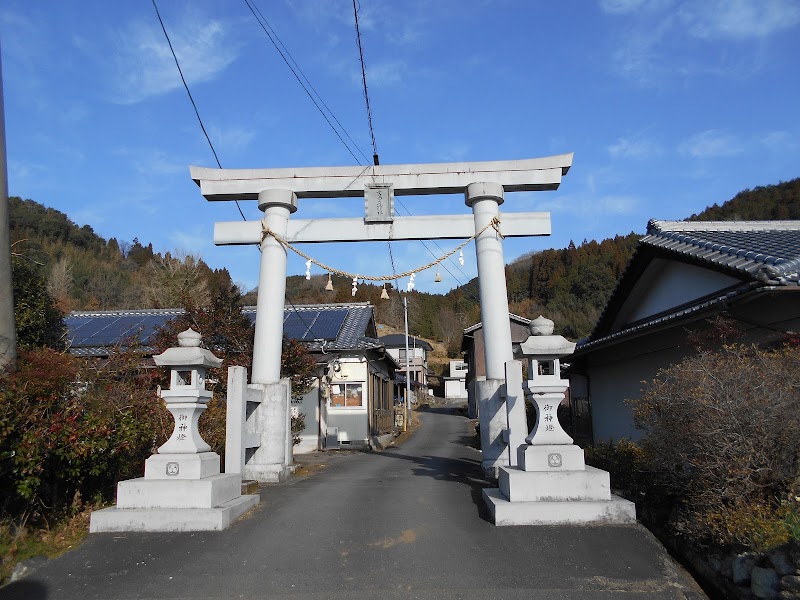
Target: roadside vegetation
x=718 y=472
x=71 y=428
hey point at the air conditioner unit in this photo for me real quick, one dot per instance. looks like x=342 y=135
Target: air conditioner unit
x=332 y=438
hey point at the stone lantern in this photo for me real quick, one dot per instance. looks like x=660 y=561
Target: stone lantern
x=182 y=488
x=185 y=455
x=550 y=484
x=545 y=390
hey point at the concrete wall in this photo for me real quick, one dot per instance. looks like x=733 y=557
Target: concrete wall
x=308 y=405
x=454 y=388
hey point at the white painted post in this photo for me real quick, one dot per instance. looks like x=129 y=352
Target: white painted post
x=515 y=408
x=485 y=199
x=235 y=419
x=277 y=206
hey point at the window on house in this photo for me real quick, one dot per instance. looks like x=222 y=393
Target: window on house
x=347 y=395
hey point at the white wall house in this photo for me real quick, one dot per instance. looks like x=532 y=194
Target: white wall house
x=413 y=362
x=455 y=384
x=681 y=275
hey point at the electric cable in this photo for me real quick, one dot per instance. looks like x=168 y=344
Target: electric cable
x=305 y=78
x=191 y=99
x=375 y=159
x=305 y=89
x=200 y=120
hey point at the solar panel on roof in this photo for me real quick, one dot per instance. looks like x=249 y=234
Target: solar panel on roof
x=297 y=326
x=328 y=325
x=307 y=325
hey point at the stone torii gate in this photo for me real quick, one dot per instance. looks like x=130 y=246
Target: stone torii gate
x=483 y=184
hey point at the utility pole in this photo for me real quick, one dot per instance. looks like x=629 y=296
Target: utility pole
x=408 y=372
x=8 y=336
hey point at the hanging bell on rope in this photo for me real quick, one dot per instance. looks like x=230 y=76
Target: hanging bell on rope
x=438 y=278
x=384 y=293
x=329 y=285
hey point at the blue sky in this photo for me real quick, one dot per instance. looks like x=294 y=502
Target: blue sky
x=668 y=105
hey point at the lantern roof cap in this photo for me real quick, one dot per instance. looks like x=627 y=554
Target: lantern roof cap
x=188 y=354
x=541 y=344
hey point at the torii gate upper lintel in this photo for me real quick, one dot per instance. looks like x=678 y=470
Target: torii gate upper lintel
x=278 y=190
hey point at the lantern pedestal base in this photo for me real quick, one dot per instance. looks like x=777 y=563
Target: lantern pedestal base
x=207 y=504
x=171 y=519
x=614 y=511
x=182 y=466
x=556 y=496
x=551 y=457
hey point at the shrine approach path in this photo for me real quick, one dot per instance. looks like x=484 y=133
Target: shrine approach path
x=407 y=522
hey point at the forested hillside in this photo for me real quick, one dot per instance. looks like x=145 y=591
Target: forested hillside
x=86 y=272
x=569 y=285
x=763 y=203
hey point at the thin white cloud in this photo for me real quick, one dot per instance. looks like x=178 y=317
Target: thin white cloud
x=588 y=207
x=193 y=242
x=636 y=147
x=621 y=7
x=152 y=161
x=659 y=39
x=738 y=19
x=639 y=57
x=779 y=141
x=712 y=143
x=232 y=139
x=385 y=74
x=144 y=66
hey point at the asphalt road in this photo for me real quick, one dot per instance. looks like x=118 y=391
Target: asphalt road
x=404 y=523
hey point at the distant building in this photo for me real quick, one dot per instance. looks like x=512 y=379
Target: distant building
x=455 y=387
x=682 y=274
x=415 y=363
x=473 y=349
x=352 y=401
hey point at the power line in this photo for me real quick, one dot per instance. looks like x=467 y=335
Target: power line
x=191 y=99
x=196 y=112
x=305 y=78
x=300 y=81
x=375 y=159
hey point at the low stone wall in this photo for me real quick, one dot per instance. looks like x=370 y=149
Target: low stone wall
x=770 y=575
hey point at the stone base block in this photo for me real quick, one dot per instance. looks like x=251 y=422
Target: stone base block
x=171 y=519
x=549 y=457
x=555 y=486
x=170 y=493
x=249 y=486
x=615 y=511
x=273 y=473
x=181 y=466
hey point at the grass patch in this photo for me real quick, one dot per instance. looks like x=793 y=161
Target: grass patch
x=19 y=542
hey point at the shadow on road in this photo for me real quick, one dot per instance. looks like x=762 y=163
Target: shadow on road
x=443 y=468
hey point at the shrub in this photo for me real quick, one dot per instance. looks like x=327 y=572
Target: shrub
x=624 y=460
x=723 y=437
x=69 y=429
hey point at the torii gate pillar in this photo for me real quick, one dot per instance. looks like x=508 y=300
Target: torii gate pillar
x=277 y=205
x=485 y=199
x=498 y=421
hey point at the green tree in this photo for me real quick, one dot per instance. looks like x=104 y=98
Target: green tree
x=38 y=322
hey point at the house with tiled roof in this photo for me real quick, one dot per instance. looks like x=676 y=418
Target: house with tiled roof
x=413 y=360
x=473 y=349
x=350 y=406
x=683 y=274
